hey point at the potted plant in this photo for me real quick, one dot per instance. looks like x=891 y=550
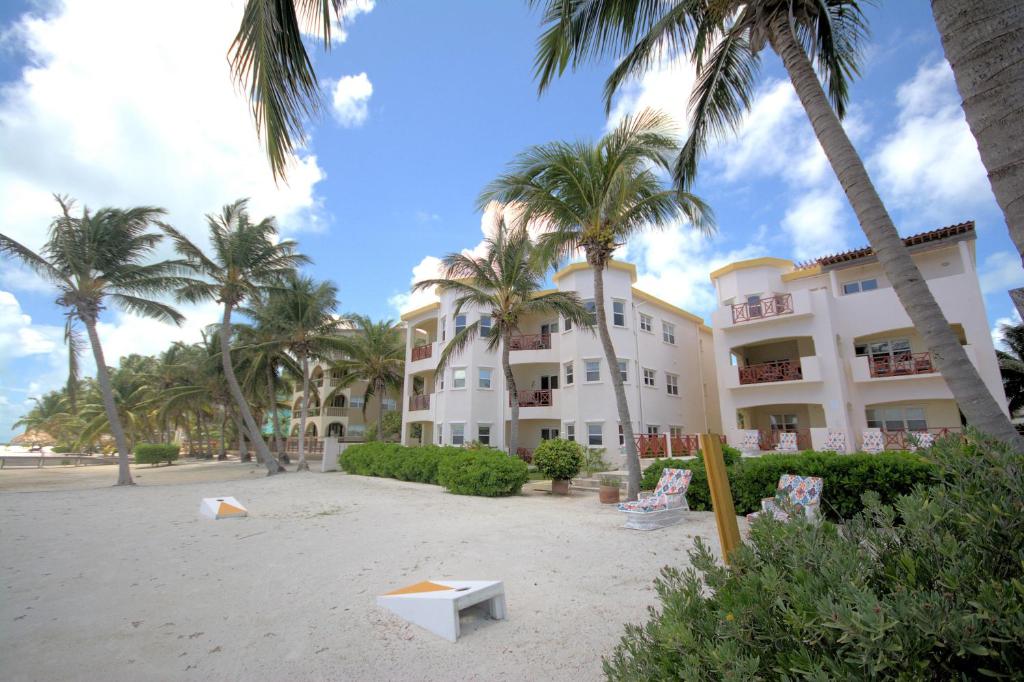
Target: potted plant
x=609 y=490
x=559 y=460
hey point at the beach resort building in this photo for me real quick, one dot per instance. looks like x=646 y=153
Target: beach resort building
x=826 y=345
x=564 y=388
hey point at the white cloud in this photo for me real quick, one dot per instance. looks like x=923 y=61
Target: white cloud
x=339 y=28
x=351 y=99
x=1001 y=272
x=666 y=87
x=815 y=224
x=19 y=337
x=997 y=335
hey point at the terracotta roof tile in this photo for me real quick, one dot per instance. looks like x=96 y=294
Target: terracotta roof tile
x=913 y=240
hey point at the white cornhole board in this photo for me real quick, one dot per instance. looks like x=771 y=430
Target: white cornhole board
x=222 y=508
x=435 y=604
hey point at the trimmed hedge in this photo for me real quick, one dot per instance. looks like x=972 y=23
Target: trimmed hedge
x=154 y=453
x=558 y=459
x=484 y=471
x=846 y=477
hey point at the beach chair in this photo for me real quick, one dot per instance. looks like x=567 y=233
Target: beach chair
x=787 y=442
x=750 y=442
x=793 y=493
x=920 y=439
x=835 y=441
x=873 y=441
x=664 y=507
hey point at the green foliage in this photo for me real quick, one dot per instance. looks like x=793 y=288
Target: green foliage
x=937 y=595
x=60 y=449
x=846 y=477
x=485 y=472
x=391 y=424
x=154 y=453
x=593 y=460
x=730 y=454
x=559 y=459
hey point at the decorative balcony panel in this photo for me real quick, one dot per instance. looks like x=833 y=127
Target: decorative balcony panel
x=652 y=445
x=767 y=372
x=422 y=352
x=900 y=364
x=769 y=438
x=419 y=402
x=769 y=306
x=331 y=411
x=530 y=342
x=534 y=398
x=908 y=440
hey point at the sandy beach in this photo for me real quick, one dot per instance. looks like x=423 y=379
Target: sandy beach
x=131 y=584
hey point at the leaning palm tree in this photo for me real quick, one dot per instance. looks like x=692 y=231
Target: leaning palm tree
x=246 y=260
x=1011 y=365
x=505 y=283
x=374 y=353
x=594 y=197
x=95 y=259
x=725 y=39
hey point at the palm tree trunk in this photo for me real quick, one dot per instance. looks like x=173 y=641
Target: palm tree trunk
x=632 y=456
x=223 y=454
x=303 y=466
x=204 y=437
x=380 y=411
x=272 y=403
x=272 y=464
x=513 y=397
x=124 y=473
x=243 y=448
x=975 y=401
x=982 y=41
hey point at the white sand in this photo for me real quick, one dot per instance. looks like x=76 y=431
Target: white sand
x=130 y=584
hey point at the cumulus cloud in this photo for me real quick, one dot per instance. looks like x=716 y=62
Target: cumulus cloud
x=815 y=224
x=1001 y=272
x=997 y=333
x=351 y=99
x=19 y=337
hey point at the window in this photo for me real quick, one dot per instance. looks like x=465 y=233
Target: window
x=593 y=368
x=458 y=434
x=440 y=434
x=444 y=330
x=896 y=418
x=754 y=306
x=357 y=430
x=622 y=436
x=390 y=404
x=671 y=384
x=459 y=377
x=440 y=381
x=668 y=332
x=594 y=434
x=460 y=323
x=548 y=433
x=356 y=401
x=624 y=369
x=863 y=285
x=484 y=380
x=485 y=326
x=648 y=377
x=675 y=431
x=619 y=313
x=483 y=434
x=783 y=422
x=653 y=429
x=567 y=326
x=549 y=328
x=570 y=431
x=891 y=347
x=646 y=322
x=591 y=308
x=568 y=374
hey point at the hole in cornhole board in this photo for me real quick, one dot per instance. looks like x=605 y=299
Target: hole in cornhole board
x=474 y=618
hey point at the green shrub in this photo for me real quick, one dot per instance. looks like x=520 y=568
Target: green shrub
x=593 y=460
x=936 y=595
x=558 y=459
x=154 y=453
x=730 y=454
x=489 y=473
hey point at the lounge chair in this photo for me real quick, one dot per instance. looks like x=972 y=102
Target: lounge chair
x=664 y=507
x=750 y=442
x=835 y=441
x=794 y=493
x=873 y=441
x=787 y=442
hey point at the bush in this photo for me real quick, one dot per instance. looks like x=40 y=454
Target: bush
x=558 y=459
x=391 y=424
x=730 y=454
x=61 y=449
x=934 y=596
x=154 y=453
x=489 y=473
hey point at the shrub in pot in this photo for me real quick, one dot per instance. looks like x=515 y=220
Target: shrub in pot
x=559 y=460
x=609 y=491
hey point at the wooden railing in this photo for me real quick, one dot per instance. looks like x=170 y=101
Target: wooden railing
x=419 y=402
x=652 y=445
x=766 y=372
x=770 y=438
x=901 y=439
x=335 y=411
x=313 y=446
x=769 y=306
x=900 y=364
x=534 y=398
x=530 y=342
x=422 y=352
x=525 y=454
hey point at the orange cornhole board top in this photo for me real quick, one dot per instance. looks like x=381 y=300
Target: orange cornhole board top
x=424 y=586
x=226 y=509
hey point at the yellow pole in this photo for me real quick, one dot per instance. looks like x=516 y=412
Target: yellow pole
x=721 y=496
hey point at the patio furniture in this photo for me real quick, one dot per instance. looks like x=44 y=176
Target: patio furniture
x=921 y=439
x=873 y=441
x=434 y=605
x=787 y=442
x=664 y=507
x=835 y=441
x=750 y=442
x=795 y=492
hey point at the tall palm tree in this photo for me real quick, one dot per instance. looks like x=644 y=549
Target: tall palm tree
x=594 y=197
x=374 y=353
x=1011 y=365
x=246 y=260
x=505 y=283
x=93 y=260
x=725 y=39
x=982 y=40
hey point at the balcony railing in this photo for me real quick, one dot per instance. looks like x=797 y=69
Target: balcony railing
x=900 y=439
x=530 y=342
x=766 y=372
x=652 y=445
x=525 y=454
x=313 y=445
x=422 y=352
x=769 y=306
x=533 y=398
x=335 y=411
x=419 y=402
x=770 y=438
x=900 y=364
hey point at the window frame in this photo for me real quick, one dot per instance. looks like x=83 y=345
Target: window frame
x=570 y=430
x=647 y=323
x=455 y=378
x=480 y=437
x=569 y=369
x=652 y=380
x=668 y=332
x=600 y=434
x=672 y=384
x=849 y=290
x=586 y=371
x=616 y=314
x=485 y=329
x=623 y=366
x=465 y=320
x=462 y=432
x=480 y=377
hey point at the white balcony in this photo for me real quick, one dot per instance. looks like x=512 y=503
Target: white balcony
x=423 y=358
x=778 y=374
x=899 y=366
x=771 y=309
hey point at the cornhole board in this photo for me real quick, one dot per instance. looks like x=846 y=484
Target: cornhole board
x=222 y=508
x=434 y=605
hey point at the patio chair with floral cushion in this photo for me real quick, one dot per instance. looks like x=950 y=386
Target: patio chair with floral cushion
x=750 y=442
x=835 y=441
x=664 y=506
x=794 y=494
x=787 y=442
x=920 y=440
x=873 y=441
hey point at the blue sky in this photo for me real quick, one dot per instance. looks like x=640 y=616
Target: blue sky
x=426 y=102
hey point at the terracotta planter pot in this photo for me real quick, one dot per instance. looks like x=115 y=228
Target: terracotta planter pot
x=609 y=494
x=560 y=487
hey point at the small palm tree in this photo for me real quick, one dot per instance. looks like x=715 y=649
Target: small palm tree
x=51 y=413
x=1011 y=365
x=505 y=283
x=374 y=353
x=594 y=197
x=93 y=260
x=246 y=260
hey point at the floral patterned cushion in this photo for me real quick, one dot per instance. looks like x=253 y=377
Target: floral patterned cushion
x=673 y=482
x=787 y=442
x=873 y=441
x=750 y=440
x=835 y=441
x=793 y=491
x=669 y=493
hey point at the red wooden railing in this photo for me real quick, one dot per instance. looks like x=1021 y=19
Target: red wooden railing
x=533 y=398
x=530 y=342
x=422 y=352
x=900 y=364
x=685 y=444
x=652 y=445
x=769 y=306
x=901 y=439
x=419 y=402
x=770 y=438
x=525 y=454
x=314 y=446
x=776 y=370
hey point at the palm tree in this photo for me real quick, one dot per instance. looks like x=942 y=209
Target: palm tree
x=594 y=197
x=374 y=353
x=1011 y=365
x=982 y=42
x=51 y=414
x=95 y=259
x=725 y=39
x=505 y=283
x=245 y=261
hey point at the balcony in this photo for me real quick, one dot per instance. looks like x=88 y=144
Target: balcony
x=312 y=412
x=900 y=364
x=530 y=342
x=422 y=352
x=768 y=372
x=534 y=398
x=332 y=411
x=767 y=307
x=419 y=402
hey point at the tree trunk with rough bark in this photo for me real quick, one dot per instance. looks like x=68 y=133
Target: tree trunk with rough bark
x=124 y=472
x=632 y=456
x=272 y=402
x=303 y=465
x=984 y=43
x=973 y=397
x=223 y=454
x=513 y=397
x=380 y=411
x=243 y=448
